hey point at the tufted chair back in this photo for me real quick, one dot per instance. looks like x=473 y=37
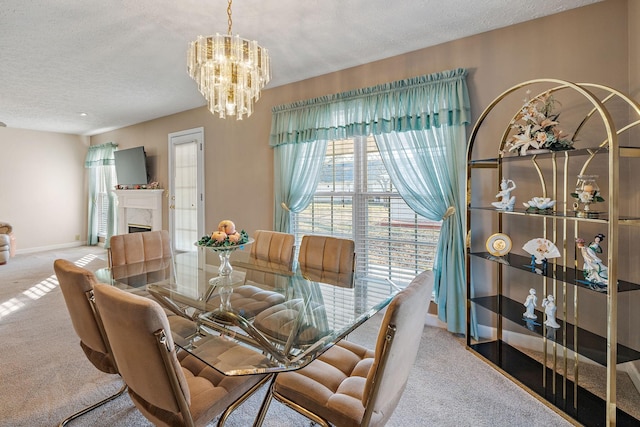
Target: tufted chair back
x=134 y=248
x=403 y=323
x=168 y=388
x=328 y=260
x=272 y=247
x=76 y=284
x=131 y=322
x=352 y=386
x=140 y=258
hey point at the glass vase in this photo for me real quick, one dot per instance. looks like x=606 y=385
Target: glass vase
x=587 y=191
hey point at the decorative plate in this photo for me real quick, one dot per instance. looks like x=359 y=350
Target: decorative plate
x=498 y=244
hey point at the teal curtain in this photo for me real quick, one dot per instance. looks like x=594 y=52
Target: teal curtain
x=412 y=104
x=425 y=112
x=296 y=176
x=428 y=169
x=100 y=161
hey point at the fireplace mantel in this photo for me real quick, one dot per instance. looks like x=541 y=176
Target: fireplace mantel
x=139 y=208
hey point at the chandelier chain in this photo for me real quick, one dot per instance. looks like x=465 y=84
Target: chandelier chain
x=229 y=21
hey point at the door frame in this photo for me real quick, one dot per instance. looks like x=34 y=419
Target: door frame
x=175 y=138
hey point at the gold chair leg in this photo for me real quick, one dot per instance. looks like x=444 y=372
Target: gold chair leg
x=265 y=405
x=315 y=419
x=92 y=407
x=241 y=399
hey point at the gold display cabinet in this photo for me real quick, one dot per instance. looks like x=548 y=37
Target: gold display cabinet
x=585 y=369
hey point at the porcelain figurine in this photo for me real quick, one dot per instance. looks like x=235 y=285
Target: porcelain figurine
x=540 y=203
x=595 y=245
x=593 y=269
x=549 y=304
x=507 y=201
x=530 y=303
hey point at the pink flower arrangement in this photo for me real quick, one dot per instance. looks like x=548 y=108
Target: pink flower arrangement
x=537 y=127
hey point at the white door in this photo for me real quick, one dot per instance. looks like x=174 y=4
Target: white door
x=186 y=188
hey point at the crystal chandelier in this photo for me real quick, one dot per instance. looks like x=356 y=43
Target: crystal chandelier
x=230 y=71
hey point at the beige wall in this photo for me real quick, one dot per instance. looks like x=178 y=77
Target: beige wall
x=42 y=188
x=586 y=44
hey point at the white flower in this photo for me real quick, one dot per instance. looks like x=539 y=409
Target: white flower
x=523 y=141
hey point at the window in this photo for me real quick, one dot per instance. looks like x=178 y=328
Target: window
x=355 y=199
x=104 y=183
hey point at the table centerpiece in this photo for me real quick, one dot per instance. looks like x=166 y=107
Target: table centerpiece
x=224 y=241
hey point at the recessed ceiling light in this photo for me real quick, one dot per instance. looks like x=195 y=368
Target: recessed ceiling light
x=83 y=114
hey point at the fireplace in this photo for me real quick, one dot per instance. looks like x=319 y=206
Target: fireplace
x=138 y=228
x=139 y=210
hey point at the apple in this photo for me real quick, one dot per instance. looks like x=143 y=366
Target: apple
x=219 y=236
x=227 y=226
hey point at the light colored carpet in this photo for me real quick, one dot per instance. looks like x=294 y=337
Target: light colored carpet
x=45 y=375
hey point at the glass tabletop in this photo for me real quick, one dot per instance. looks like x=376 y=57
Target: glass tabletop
x=257 y=318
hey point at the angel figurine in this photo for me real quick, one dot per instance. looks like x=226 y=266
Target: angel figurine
x=507 y=201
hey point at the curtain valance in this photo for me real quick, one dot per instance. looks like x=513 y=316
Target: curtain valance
x=417 y=103
x=100 y=155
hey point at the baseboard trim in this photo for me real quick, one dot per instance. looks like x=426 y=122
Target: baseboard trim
x=49 y=248
x=432 y=320
x=632 y=369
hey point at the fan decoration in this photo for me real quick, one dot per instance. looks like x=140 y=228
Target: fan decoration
x=541 y=250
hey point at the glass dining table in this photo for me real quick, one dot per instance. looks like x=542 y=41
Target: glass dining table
x=257 y=318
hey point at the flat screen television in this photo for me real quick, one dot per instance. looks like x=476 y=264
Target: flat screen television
x=131 y=166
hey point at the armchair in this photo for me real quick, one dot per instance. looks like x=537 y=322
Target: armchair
x=7 y=242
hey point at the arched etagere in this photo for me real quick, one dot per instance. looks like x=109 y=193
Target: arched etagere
x=598 y=335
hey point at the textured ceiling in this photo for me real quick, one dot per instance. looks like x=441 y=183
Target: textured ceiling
x=124 y=61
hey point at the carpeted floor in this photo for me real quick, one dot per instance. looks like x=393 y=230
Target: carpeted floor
x=45 y=375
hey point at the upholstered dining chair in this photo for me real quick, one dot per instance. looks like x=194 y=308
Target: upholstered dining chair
x=76 y=284
x=143 y=258
x=145 y=255
x=350 y=385
x=323 y=259
x=328 y=259
x=271 y=250
x=169 y=388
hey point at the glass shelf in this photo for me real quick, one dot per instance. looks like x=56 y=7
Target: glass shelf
x=554 y=271
x=529 y=372
x=599 y=217
x=624 y=152
x=590 y=345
